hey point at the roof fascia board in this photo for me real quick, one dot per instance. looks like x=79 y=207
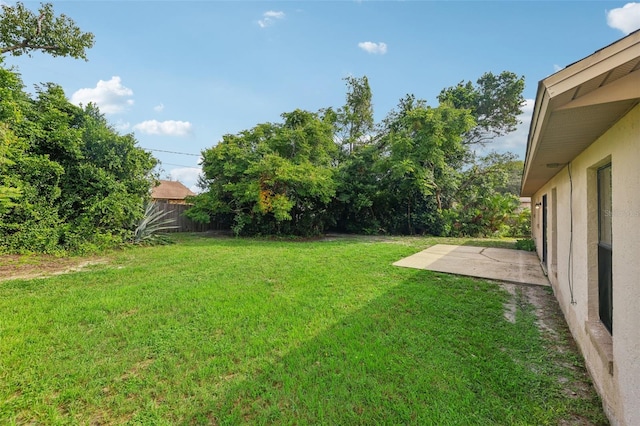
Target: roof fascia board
x=539 y=118
x=623 y=89
x=591 y=67
x=614 y=49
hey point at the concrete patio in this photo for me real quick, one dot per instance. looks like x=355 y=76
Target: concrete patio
x=514 y=266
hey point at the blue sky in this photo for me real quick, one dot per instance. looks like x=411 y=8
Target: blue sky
x=180 y=74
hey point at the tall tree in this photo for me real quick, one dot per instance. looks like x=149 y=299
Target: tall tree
x=411 y=176
x=495 y=102
x=23 y=32
x=366 y=197
x=355 y=118
x=421 y=146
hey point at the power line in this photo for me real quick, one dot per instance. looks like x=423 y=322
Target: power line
x=179 y=165
x=172 y=152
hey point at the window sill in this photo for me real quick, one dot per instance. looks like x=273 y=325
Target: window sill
x=602 y=341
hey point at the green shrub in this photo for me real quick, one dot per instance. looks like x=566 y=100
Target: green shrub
x=526 y=244
x=68 y=181
x=520 y=223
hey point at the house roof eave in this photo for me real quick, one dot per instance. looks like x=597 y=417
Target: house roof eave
x=578 y=104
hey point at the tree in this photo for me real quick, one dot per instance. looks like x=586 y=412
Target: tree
x=22 y=32
x=359 y=203
x=414 y=173
x=80 y=183
x=482 y=203
x=107 y=177
x=8 y=193
x=495 y=102
x=276 y=178
x=513 y=168
x=12 y=101
x=355 y=118
x=423 y=144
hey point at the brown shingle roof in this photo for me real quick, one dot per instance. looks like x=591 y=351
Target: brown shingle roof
x=170 y=190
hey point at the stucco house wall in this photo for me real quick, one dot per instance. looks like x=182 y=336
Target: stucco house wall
x=587 y=116
x=572 y=238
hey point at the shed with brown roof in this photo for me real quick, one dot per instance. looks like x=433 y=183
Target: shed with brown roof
x=172 y=192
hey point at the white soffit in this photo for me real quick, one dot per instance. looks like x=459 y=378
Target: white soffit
x=577 y=105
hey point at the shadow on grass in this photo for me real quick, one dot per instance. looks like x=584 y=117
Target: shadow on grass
x=435 y=349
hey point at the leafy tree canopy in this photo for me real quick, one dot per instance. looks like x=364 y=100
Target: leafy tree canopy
x=495 y=102
x=415 y=172
x=23 y=32
x=355 y=118
x=274 y=178
x=483 y=205
x=68 y=180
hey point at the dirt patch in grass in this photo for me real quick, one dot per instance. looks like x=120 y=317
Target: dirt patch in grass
x=562 y=349
x=13 y=267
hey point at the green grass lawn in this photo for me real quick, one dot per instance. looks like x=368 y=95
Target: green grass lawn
x=237 y=331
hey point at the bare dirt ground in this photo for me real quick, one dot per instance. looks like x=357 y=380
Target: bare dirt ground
x=39 y=266
x=554 y=329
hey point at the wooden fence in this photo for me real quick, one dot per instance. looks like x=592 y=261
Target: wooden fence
x=183 y=223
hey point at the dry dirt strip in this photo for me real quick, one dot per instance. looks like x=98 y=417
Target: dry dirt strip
x=22 y=267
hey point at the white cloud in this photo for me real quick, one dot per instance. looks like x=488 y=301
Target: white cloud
x=625 y=18
x=159 y=108
x=557 y=67
x=273 y=14
x=110 y=96
x=169 y=127
x=269 y=18
x=188 y=176
x=375 y=48
x=516 y=141
x=122 y=126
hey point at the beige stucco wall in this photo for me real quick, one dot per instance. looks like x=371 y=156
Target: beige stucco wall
x=613 y=361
